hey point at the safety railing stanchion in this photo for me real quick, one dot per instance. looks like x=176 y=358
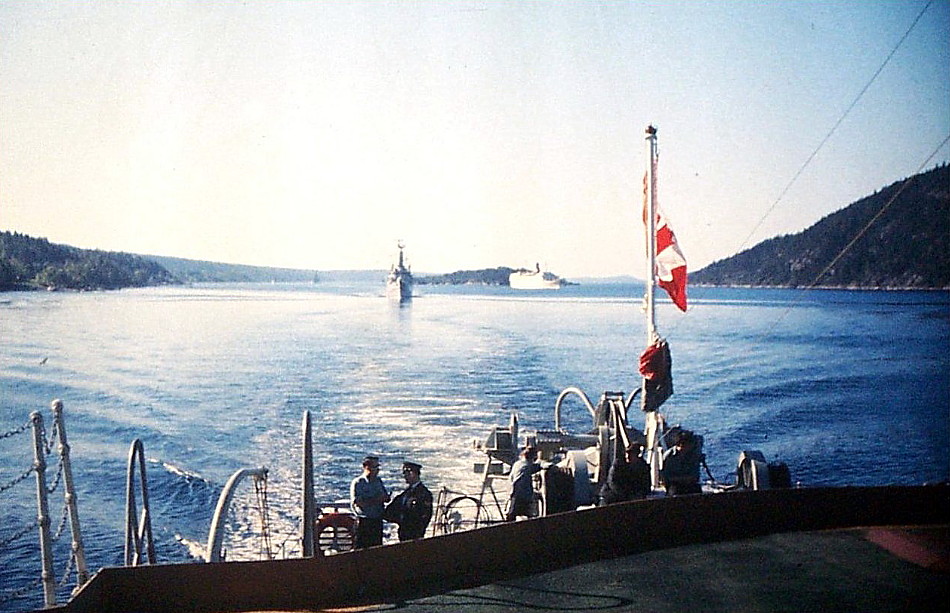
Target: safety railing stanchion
x=82 y=575
x=42 y=502
x=309 y=512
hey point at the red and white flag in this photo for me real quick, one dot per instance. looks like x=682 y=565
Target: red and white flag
x=670 y=263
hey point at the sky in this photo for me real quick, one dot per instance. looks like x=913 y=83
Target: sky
x=316 y=135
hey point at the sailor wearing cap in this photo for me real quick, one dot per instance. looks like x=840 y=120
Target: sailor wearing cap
x=412 y=509
x=368 y=497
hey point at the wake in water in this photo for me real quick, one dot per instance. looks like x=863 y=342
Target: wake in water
x=847 y=388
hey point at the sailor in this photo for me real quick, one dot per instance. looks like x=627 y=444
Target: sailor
x=628 y=477
x=521 y=502
x=368 y=497
x=681 y=465
x=411 y=509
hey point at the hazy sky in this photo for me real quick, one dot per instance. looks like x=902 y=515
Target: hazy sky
x=315 y=134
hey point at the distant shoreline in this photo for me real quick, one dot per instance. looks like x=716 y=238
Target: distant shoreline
x=830 y=287
x=26 y=287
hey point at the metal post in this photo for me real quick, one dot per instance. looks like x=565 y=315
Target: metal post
x=309 y=512
x=42 y=501
x=654 y=451
x=72 y=504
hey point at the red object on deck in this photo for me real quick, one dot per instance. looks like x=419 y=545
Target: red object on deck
x=927 y=549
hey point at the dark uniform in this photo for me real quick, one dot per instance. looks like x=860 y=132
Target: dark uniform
x=412 y=509
x=681 y=465
x=626 y=481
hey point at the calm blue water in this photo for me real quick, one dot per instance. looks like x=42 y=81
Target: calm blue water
x=845 y=387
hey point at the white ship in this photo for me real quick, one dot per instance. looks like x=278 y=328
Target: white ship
x=533 y=279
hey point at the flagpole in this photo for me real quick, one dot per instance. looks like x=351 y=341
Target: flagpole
x=651 y=236
x=649 y=212
x=652 y=423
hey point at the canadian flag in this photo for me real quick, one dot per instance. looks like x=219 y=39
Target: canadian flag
x=670 y=263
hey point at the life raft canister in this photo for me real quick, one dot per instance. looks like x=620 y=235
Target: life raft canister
x=335 y=532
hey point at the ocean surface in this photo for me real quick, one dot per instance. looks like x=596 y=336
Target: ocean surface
x=846 y=387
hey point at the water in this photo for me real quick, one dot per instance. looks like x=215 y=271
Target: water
x=845 y=387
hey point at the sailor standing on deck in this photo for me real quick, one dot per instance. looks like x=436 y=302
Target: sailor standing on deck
x=368 y=496
x=412 y=509
x=628 y=477
x=522 y=490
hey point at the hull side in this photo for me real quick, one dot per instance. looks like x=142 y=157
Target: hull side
x=532 y=281
x=440 y=564
x=399 y=288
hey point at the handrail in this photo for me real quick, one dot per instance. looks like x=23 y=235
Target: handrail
x=137 y=532
x=568 y=391
x=626 y=405
x=216 y=533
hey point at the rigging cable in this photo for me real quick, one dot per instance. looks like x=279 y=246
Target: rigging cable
x=903 y=186
x=821 y=145
x=834 y=128
x=814 y=154
x=899 y=191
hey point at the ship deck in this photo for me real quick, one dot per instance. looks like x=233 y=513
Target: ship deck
x=801 y=549
x=861 y=569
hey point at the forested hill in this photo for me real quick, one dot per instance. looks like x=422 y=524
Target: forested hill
x=908 y=246
x=31 y=263
x=35 y=263
x=199 y=271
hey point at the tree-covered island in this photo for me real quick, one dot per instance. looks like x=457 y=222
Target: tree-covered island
x=484 y=276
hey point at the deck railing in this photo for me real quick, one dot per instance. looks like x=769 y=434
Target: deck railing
x=44 y=444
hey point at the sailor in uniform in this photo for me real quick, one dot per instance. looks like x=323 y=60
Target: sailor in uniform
x=412 y=509
x=368 y=497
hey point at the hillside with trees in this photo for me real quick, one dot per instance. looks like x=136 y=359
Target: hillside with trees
x=36 y=263
x=28 y=263
x=901 y=239
x=199 y=271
